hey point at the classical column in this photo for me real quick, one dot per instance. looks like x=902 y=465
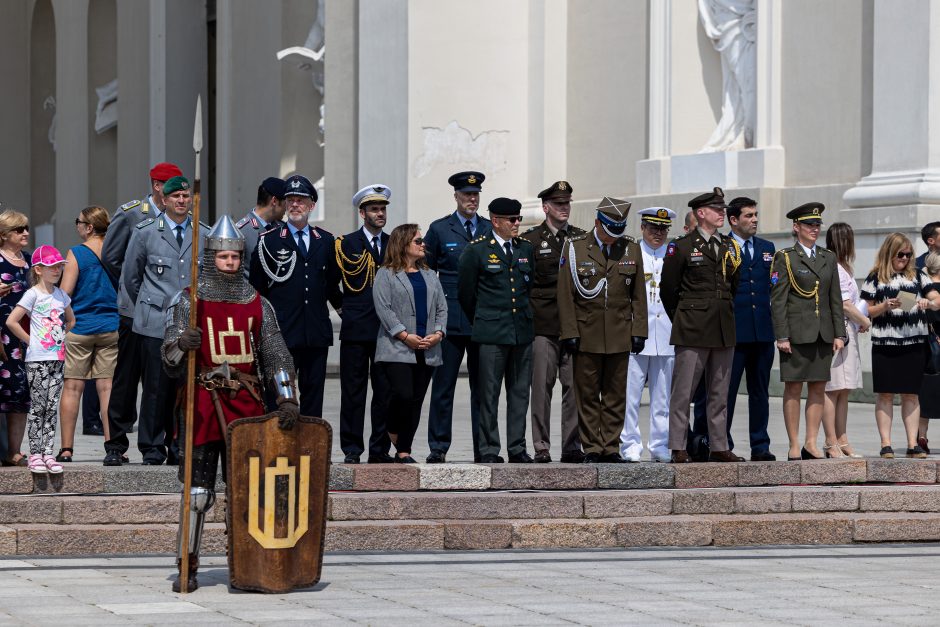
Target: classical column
x=903 y=190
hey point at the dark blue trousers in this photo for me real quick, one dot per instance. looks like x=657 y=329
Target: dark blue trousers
x=440 y=419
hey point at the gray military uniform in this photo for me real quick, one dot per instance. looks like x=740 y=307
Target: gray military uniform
x=251 y=226
x=155 y=269
x=114 y=248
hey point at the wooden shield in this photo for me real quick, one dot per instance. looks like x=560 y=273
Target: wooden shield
x=276 y=502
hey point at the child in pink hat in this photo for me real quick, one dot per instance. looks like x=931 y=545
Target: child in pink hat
x=50 y=318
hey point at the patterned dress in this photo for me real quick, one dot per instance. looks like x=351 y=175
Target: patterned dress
x=14 y=389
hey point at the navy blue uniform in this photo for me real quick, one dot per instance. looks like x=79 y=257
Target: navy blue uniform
x=357 y=336
x=754 y=351
x=298 y=288
x=445 y=241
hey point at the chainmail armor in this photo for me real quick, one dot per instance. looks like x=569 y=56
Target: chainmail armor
x=222 y=287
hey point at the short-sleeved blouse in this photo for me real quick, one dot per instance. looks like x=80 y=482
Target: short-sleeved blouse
x=14 y=388
x=896 y=327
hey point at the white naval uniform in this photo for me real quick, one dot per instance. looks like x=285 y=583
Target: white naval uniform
x=654 y=365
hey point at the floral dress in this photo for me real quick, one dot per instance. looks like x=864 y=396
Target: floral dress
x=14 y=389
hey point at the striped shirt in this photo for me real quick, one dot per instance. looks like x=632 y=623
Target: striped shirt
x=896 y=327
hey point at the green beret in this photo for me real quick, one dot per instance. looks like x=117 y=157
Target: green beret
x=175 y=184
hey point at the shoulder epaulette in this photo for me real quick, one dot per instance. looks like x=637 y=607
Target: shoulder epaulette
x=678 y=237
x=578 y=237
x=629 y=239
x=576 y=229
x=241 y=222
x=145 y=222
x=203 y=225
x=532 y=229
x=130 y=205
x=271 y=228
x=823 y=248
x=322 y=231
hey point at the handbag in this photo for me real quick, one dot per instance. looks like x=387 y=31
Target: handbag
x=933 y=359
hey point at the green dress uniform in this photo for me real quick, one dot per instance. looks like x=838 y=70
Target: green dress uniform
x=699 y=280
x=602 y=303
x=548 y=360
x=493 y=289
x=806 y=304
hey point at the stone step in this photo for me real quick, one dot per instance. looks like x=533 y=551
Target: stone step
x=81 y=478
x=503 y=505
x=413 y=535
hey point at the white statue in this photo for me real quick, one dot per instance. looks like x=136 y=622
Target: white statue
x=732 y=25
x=309 y=58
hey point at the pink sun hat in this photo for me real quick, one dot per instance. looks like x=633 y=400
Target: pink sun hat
x=47 y=256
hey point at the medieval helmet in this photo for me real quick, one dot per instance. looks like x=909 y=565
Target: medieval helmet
x=225 y=236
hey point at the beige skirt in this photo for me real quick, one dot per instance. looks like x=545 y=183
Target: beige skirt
x=846 y=372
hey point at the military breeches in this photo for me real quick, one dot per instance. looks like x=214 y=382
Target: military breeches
x=600 y=388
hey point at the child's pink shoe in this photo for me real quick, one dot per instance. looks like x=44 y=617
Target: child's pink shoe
x=36 y=465
x=54 y=467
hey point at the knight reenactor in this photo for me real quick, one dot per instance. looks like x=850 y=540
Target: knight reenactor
x=239 y=352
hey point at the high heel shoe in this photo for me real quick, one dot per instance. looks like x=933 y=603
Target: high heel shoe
x=829 y=455
x=804 y=454
x=850 y=452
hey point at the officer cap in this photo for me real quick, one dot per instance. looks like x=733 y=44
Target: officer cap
x=275 y=187
x=175 y=184
x=714 y=198
x=613 y=215
x=559 y=190
x=810 y=213
x=659 y=216
x=505 y=207
x=164 y=171
x=377 y=193
x=467 y=181
x=298 y=185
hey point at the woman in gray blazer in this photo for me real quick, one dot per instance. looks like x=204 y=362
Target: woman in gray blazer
x=412 y=313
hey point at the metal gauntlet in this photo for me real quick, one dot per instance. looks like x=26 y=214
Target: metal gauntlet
x=284 y=385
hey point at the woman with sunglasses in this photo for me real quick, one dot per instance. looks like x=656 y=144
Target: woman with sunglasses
x=898 y=338
x=14 y=281
x=412 y=311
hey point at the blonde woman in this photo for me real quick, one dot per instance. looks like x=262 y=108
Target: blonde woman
x=14 y=281
x=893 y=291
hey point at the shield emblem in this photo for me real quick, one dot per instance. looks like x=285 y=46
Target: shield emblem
x=276 y=502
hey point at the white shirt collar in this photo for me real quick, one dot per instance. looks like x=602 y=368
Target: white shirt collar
x=656 y=252
x=500 y=240
x=741 y=240
x=369 y=236
x=808 y=251
x=294 y=229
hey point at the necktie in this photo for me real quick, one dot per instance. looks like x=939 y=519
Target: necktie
x=812 y=253
x=469 y=226
x=300 y=244
x=606 y=250
x=715 y=245
x=179 y=235
x=747 y=252
x=508 y=248
x=375 y=246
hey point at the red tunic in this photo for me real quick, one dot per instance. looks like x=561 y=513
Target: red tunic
x=225 y=330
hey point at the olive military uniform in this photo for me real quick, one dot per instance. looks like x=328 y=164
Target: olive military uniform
x=493 y=288
x=699 y=282
x=548 y=360
x=601 y=301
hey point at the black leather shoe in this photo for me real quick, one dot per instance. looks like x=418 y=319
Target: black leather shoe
x=592 y=458
x=763 y=457
x=574 y=457
x=172 y=460
x=152 y=462
x=520 y=458
x=382 y=458
x=405 y=460
x=491 y=459
x=542 y=457
x=612 y=458
x=698 y=448
x=112 y=458
x=436 y=457
x=351 y=459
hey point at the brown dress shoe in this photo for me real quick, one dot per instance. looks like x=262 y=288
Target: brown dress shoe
x=680 y=457
x=724 y=456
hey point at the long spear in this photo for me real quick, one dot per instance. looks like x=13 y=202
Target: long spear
x=191 y=363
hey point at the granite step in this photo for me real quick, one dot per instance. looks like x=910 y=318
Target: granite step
x=807 y=528
x=82 y=478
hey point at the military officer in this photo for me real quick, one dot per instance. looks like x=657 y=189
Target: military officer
x=549 y=362
x=358 y=255
x=495 y=277
x=293 y=268
x=653 y=365
x=809 y=324
x=602 y=311
x=700 y=277
x=444 y=243
x=754 y=349
x=267 y=213
x=122 y=409
x=157 y=267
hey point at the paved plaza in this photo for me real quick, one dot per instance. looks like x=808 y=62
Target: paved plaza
x=856 y=585
x=862 y=432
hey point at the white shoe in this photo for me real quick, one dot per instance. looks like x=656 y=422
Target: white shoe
x=54 y=467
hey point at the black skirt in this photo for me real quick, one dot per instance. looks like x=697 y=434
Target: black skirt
x=898 y=369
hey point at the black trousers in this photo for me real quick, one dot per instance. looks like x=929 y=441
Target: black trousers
x=310 y=364
x=440 y=420
x=122 y=408
x=356 y=368
x=91 y=407
x=408 y=384
x=156 y=428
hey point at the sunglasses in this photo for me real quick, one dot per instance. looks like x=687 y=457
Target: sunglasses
x=512 y=219
x=418 y=240
x=80 y=221
x=905 y=255
x=20 y=229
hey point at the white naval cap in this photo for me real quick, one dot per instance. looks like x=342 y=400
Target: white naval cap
x=662 y=216
x=372 y=193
